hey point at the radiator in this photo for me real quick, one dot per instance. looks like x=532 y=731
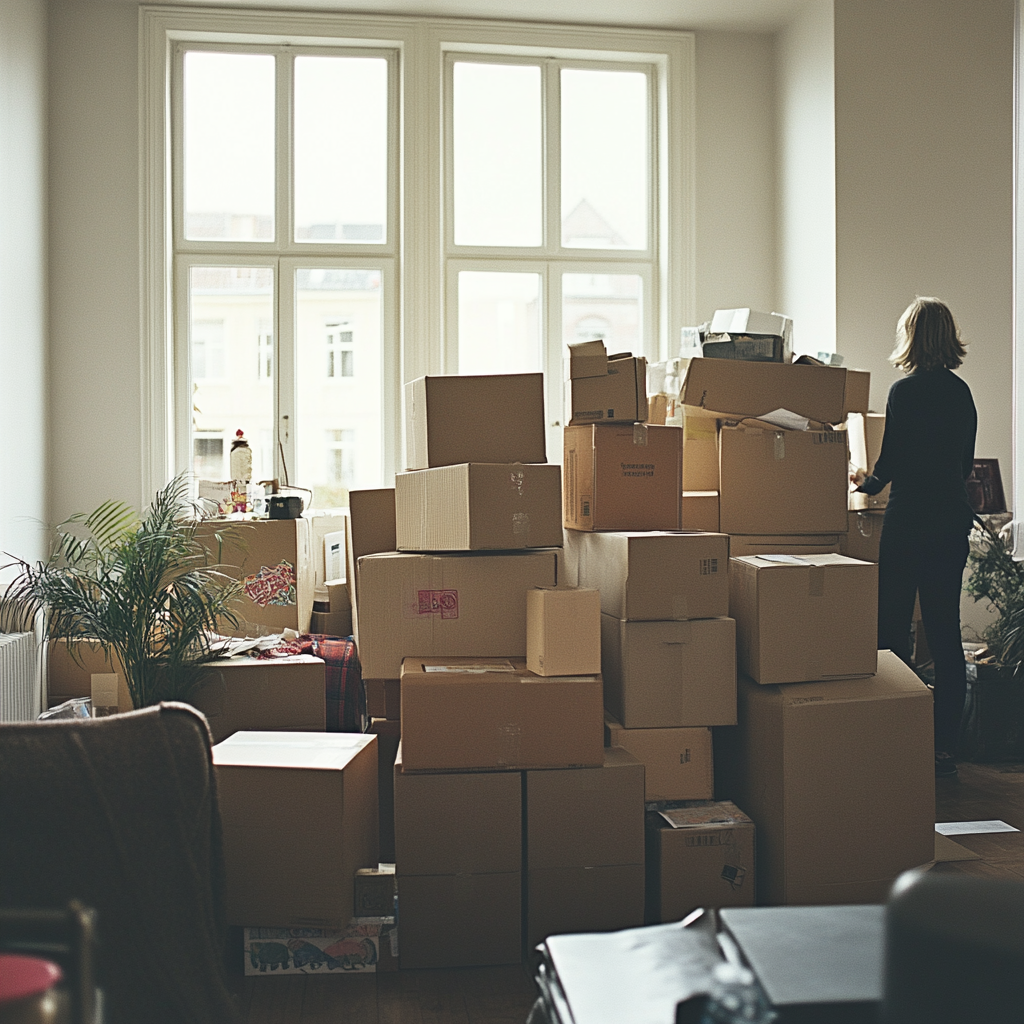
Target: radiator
x=21 y=677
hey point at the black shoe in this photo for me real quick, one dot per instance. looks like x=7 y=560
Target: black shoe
x=945 y=766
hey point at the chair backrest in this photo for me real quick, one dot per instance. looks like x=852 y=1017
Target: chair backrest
x=121 y=813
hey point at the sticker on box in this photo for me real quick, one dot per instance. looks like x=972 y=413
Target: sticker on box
x=438 y=602
x=311 y=950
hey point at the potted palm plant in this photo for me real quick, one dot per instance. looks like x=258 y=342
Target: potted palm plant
x=141 y=587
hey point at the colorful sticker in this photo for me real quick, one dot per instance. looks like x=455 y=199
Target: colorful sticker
x=272 y=585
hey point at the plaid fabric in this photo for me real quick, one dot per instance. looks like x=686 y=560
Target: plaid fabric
x=346 y=695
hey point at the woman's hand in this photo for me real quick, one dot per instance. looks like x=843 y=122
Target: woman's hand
x=858 y=477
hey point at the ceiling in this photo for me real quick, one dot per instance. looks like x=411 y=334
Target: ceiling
x=735 y=15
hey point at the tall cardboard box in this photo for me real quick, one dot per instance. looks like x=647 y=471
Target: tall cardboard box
x=701 y=855
x=782 y=481
x=494 y=714
x=786 y=544
x=621 y=477
x=866 y=430
x=491 y=418
x=700 y=450
x=864 y=535
x=243 y=694
x=584 y=848
x=70 y=675
x=458 y=861
x=660 y=675
x=657 y=575
x=299 y=814
x=804 y=618
x=700 y=509
x=389 y=735
x=274 y=560
x=563 y=631
x=839 y=777
x=677 y=763
x=479 y=507
x=447 y=605
x=617 y=396
x=369 y=530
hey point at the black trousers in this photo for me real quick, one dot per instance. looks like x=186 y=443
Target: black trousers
x=930 y=564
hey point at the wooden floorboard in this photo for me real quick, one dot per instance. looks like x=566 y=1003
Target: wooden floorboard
x=504 y=995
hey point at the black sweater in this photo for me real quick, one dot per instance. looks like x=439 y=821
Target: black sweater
x=927 y=452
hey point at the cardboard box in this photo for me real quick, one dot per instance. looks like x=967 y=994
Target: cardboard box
x=783 y=481
x=68 y=678
x=865 y=431
x=464 y=713
x=813 y=765
x=458 y=849
x=375 y=891
x=862 y=538
x=274 y=560
x=494 y=418
x=811 y=617
x=383 y=698
x=677 y=762
x=858 y=391
x=622 y=477
x=337 y=623
x=587 y=359
x=355 y=948
x=793 y=544
x=389 y=735
x=448 y=605
x=563 y=631
x=698 y=856
x=369 y=530
x=620 y=396
x=700 y=450
x=660 y=675
x=243 y=694
x=700 y=511
x=299 y=815
x=657 y=576
x=324 y=524
x=477 y=507
x=737 y=389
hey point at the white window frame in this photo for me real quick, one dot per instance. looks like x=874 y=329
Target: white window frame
x=416 y=321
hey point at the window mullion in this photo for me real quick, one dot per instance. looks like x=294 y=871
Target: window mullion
x=285 y=427
x=552 y=157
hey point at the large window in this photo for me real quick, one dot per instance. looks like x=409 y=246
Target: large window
x=338 y=204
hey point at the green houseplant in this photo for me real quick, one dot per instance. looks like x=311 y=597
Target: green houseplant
x=140 y=586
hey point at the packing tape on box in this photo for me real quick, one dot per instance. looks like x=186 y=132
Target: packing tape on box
x=640 y=434
x=865 y=525
x=816 y=581
x=779 y=445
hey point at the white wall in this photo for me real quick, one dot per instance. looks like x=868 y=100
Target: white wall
x=804 y=76
x=736 y=239
x=23 y=404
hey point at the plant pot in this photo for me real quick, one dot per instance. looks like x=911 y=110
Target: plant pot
x=993 y=722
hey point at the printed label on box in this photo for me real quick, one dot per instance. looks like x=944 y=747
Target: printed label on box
x=273 y=584
x=439 y=602
x=708 y=566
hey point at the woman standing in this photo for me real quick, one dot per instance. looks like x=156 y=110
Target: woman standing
x=927 y=454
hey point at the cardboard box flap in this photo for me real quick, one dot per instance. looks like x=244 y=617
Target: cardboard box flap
x=587 y=359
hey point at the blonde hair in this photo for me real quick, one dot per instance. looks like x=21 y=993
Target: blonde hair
x=927 y=338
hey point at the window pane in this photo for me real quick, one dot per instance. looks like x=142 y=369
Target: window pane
x=341 y=120
x=497 y=140
x=338 y=334
x=229 y=146
x=499 y=323
x=230 y=310
x=605 y=159
x=607 y=306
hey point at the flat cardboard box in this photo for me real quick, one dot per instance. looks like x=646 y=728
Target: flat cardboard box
x=700 y=510
x=304 y=800
x=862 y=538
x=813 y=765
x=479 y=507
x=573 y=900
x=465 y=823
x=783 y=481
x=737 y=389
x=585 y=817
x=492 y=418
x=700 y=450
x=274 y=560
x=389 y=735
x=621 y=477
x=699 y=856
x=68 y=678
x=660 y=675
x=369 y=530
x=803 y=618
x=469 y=606
x=792 y=544
x=858 y=391
x=563 y=631
x=383 y=698
x=620 y=396
x=355 y=948
x=657 y=575
x=463 y=920
x=677 y=762
x=462 y=714
x=244 y=694
x=865 y=431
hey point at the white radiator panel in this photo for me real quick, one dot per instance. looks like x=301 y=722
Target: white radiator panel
x=21 y=677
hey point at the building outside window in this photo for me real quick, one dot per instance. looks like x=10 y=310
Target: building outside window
x=340 y=353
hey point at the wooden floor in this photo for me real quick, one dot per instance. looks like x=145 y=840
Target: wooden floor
x=504 y=995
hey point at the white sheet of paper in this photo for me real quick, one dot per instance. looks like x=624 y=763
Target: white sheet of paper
x=785 y=419
x=971 y=828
